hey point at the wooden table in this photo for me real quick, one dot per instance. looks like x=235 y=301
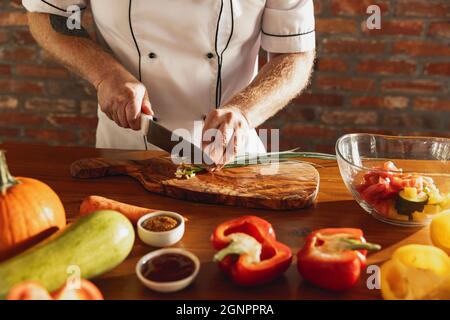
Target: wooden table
x=335 y=208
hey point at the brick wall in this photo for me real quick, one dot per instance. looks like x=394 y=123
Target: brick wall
x=394 y=80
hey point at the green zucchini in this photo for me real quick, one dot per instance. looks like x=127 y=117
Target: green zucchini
x=95 y=244
x=408 y=202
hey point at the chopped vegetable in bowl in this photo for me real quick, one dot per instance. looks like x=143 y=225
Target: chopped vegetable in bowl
x=395 y=195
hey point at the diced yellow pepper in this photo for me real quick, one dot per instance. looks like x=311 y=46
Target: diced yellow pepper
x=419 y=216
x=410 y=193
x=432 y=209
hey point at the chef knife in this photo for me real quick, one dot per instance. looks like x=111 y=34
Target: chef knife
x=165 y=139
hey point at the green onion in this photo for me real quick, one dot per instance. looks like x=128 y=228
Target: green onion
x=190 y=170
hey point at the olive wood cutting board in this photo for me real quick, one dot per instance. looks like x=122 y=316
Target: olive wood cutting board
x=280 y=186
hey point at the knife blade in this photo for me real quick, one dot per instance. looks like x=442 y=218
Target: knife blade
x=180 y=149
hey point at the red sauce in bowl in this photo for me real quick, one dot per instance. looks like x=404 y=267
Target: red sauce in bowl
x=168 y=267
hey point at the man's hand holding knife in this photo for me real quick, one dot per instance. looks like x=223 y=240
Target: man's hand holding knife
x=122 y=98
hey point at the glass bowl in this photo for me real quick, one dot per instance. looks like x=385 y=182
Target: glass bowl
x=399 y=180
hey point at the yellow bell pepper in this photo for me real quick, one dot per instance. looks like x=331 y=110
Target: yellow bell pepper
x=416 y=272
x=440 y=231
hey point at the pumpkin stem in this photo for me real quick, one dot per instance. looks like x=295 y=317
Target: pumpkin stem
x=6 y=179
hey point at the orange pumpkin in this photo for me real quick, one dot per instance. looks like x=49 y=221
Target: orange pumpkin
x=29 y=212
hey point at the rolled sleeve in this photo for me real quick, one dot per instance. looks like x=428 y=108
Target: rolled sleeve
x=288 y=26
x=58 y=7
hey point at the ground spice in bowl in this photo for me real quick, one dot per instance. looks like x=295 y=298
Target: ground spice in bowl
x=160 y=223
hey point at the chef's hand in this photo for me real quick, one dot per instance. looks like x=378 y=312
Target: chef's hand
x=224 y=133
x=122 y=98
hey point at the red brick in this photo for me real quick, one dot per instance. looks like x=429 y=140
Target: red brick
x=344 y=83
x=89 y=108
x=31 y=70
x=51 y=105
x=9 y=132
x=406 y=120
x=18 y=54
x=8 y=102
x=318 y=6
x=396 y=28
x=23 y=37
x=14 y=18
x=320 y=99
x=356 y=7
x=51 y=135
x=439 y=29
x=20 y=118
x=335 y=26
x=432 y=104
x=387 y=102
x=438 y=68
x=349 y=117
x=423 y=8
x=296 y=130
x=292 y=113
x=16 y=4
x=73 y=121
x=353 y=46
x=387 y=67
x=4 y=37
x=21 y=86
x=332 y=65
x=421 y=48
x=5 y=70
x=411 y=86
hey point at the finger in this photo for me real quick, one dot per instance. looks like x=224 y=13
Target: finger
x=215 y=148
x=229 y=145
x=222 y=144
x=132 y=117
x=121 y=114
x=134 y=107
x=114 y=115
x=146 y=105
x=232 y=148
x=106 y=109
x=212 y=121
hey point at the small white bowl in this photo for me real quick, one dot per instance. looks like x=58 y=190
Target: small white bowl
x=171 y=286
x=162 y=238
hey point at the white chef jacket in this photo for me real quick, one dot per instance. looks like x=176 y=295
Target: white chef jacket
x=192 y=55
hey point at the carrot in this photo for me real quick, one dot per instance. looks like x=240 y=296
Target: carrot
x=94 y=203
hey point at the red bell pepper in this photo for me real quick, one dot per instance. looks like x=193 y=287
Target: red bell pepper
x=31 y=290
x=249 y=252
x=333 y=258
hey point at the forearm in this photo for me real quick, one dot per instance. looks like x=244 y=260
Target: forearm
x=75 y=50
x=278 y=82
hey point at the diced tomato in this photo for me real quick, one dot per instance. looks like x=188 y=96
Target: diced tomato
x=390 y=166
x=382 y=185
